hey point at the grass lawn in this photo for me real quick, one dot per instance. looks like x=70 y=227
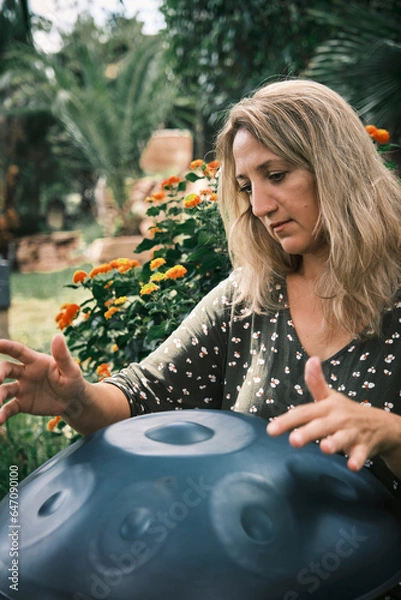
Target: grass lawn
x=35 y=301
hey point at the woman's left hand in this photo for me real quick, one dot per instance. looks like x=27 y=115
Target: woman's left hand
x=341 y=424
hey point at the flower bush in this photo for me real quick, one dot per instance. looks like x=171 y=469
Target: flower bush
x=131 y=308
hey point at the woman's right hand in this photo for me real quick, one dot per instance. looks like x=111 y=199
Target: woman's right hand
x=40 y=384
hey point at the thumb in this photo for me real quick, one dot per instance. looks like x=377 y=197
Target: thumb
x=62 y=356
x=314 y=379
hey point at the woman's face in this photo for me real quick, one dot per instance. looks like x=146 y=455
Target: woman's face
x=282 y=196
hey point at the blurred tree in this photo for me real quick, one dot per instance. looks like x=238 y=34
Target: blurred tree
x=362 y=59
x=223 y=49
x=106 y=90
x=220 y=50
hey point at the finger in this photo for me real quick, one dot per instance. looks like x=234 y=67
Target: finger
x=315 y=430
x=8 y=391
x=62 y=356
x=10 y=370
x=296 y=418
x=9 y=410
x=357 y=457
x=17 y=351
x=314 y=379
x=344 y=441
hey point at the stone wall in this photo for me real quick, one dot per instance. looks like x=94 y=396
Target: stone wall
x=48 y=252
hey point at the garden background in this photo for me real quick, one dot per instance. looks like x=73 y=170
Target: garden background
x=76 y=123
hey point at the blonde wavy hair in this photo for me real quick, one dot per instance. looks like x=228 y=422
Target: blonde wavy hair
x=314 y=128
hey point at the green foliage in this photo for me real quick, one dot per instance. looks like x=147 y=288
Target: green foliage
x=362 y=59
x=221 y=50
x=26 y=442
x=131 y=309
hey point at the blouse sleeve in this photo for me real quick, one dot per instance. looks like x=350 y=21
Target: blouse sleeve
x=188 y=369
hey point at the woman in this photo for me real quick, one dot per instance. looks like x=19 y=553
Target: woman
x=313 y=219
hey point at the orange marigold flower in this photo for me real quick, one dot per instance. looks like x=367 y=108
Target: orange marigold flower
x=67 y=314
x=381 y=136
x=214 y=164
x=53 y=423
x=157 y=196
x=196 y=164
x=370 y=129
x=108 y=285
x=208 y=195
x=79 y=276
x=103 y=371
x=156 y=263
x=157 y=276
x=117 y=262
x=148 y=288
x=153 y=230
x=124 y=264
x=104 y=268
x=112 y=311
x=171 y=181
x=175 y=272
x=192 y=200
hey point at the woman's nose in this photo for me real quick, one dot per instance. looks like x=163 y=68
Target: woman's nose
x=262 y=201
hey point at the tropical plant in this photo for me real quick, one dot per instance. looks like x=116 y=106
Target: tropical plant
x=108 y=107
x=362 y=59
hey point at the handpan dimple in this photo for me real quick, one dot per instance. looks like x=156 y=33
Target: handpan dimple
x=180 y=434
x=197 y=504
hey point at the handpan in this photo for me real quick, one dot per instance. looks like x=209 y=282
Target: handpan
x=199 y=505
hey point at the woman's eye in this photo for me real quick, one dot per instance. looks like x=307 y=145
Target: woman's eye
x=277 y=177
x=246 y=189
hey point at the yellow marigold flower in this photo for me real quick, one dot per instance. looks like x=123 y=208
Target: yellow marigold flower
x=196 y=164
x=103 y=371
x=157 y=276
x=120 y=300
x=105 y=268
x=132 y=264
x=192 y=200
x=114 y=348
x=156 y=263
x=53 y=423
x=148 y=288
x=112 y=311
x=79 y=276
x=175 y=272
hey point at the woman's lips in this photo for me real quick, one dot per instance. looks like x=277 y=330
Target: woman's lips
x=279 y=225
